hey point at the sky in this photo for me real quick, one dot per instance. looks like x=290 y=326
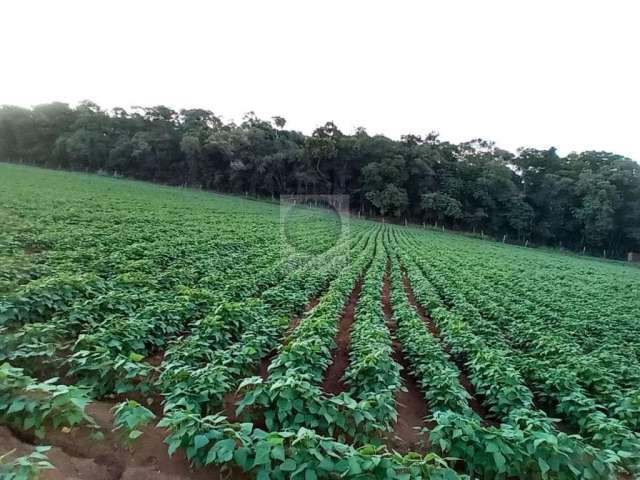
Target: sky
x=536 y=73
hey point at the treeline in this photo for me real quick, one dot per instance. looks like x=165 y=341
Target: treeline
x=588 y=200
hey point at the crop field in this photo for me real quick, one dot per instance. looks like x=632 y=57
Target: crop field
x=167 y=333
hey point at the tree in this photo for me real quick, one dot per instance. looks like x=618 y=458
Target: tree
x=382 y=185
x=519 y=216
x=441 y=207
x=391 y=199
x=17 y=133
x=279 y=122
x=589 y=199
x=597 y=208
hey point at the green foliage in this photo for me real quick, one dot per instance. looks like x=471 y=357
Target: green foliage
x=130 y=416
x=185 y=296
x=500 y=368
x=197 y=378
x=28 y=404
x=583 y=200
x=291 y=454
x=382 y=183
x=40 y=298
x=441 y=207
x=373 y=377
x=27 y=467
x=292 y=396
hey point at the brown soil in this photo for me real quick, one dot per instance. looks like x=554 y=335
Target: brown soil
x=295 y=321
x=263 y=368
x=229 y=405
x=67 y=466
x=474 y=403
x=153 y=401
x=333 y=383
x=76 y=456
x=156 y=359
x=543 y=406
x=33 y=249
x=313 y=303
x=411 y=405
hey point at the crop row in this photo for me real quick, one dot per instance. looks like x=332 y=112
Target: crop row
x=197 y=376
x=293 y=454
x=527 y=442
x=492 y=371
x=102 y=341
x=561 y=374
x=373 y=376
x=584 y=302
x=606 y=372
x=292 y=397
x=592 y=318
x=27 y=404
x=296 y=411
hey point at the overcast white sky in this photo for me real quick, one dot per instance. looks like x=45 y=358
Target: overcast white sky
x=522 y=73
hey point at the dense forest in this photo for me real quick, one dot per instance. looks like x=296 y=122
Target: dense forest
x=587 y=201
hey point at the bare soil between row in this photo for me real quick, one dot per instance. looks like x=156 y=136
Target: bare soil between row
x=77 y=456
x=410 y=403
x=463 y=378
x=333 y=383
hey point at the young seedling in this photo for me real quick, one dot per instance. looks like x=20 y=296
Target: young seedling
x=27 y=467
x=131 y=417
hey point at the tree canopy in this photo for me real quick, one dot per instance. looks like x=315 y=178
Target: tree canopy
x=588 y=200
